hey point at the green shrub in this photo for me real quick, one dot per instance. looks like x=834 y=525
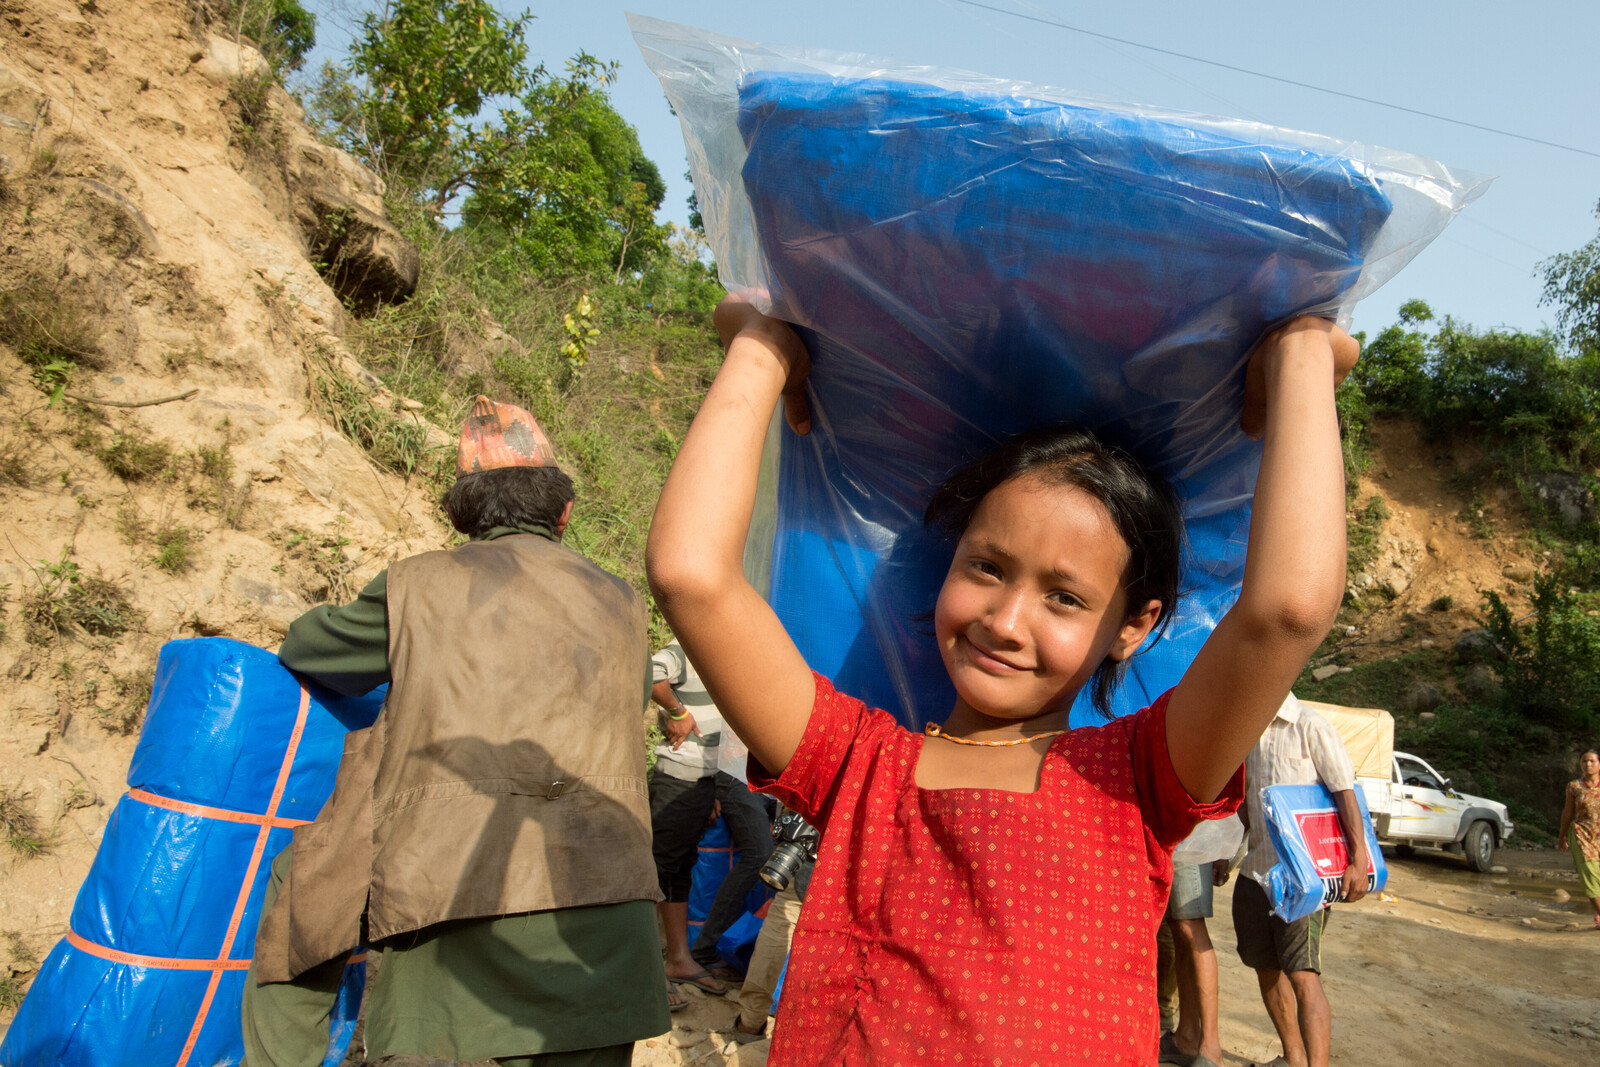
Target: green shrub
x=1552 y=668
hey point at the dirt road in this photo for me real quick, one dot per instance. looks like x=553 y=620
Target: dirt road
x=1462 y=969
x=1459 y=968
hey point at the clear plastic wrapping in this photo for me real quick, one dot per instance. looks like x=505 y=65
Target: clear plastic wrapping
x=967 y=257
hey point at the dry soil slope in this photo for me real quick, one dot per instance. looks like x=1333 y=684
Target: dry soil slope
x=123 y=197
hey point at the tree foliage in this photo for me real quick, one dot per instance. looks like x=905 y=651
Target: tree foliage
x=1506 y=383
x=283 y=30
x=438 y=96
x=1572 y=286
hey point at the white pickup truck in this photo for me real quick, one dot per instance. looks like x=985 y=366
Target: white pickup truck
x=1411 y=803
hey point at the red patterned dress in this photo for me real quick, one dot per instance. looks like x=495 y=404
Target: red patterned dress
x=980 y=926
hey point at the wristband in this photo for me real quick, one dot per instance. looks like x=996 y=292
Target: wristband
x=677 y=718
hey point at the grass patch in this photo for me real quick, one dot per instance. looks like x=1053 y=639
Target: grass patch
x=1363 y=528
x=173 y=542
x=66 y=600
x=14 y=466
x=212 y=486
x=133 y=697
x=323 y=554
x=23 y=835
x=175 y=546
x=52 y=334
x=393 y=443
x=134 y=456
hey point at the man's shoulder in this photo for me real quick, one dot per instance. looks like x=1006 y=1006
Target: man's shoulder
x=548 y=554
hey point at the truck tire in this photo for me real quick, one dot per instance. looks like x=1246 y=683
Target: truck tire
x=1479 y=846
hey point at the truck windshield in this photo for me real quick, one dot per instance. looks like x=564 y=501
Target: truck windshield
x=1415 y=774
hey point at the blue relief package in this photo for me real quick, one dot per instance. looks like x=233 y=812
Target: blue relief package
x=234 y=753
x=966 y=258
x=1312 y=852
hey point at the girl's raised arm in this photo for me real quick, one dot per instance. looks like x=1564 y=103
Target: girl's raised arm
x=695 y=555
x=1294 y=568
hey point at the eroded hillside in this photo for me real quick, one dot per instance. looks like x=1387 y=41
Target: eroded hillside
x=164 y=470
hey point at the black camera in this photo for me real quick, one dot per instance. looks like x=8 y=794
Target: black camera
x=797 y=842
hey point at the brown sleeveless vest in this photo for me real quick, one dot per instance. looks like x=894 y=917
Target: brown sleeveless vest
x=507 y=771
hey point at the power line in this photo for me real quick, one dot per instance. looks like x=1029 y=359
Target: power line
x=1284 y=81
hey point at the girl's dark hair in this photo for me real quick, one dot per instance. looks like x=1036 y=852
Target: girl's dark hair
x=1142 y=506
x=508 y=496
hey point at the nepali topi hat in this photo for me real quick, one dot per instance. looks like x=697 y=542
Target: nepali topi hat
x=501 y=435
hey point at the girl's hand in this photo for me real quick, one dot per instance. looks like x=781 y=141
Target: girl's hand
x=1561 y=842
x=1307 y=329
x=737 y=320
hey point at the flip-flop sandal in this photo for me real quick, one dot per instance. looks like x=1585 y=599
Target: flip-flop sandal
x=1170 y=1053
x=672 y=991
x=705 y=981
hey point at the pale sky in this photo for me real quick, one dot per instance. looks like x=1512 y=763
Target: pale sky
x=1523 y=68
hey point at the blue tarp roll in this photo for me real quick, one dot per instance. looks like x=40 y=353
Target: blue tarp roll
x=142 y=980
x=965 y=267
x=967 y=257
x=714 y=861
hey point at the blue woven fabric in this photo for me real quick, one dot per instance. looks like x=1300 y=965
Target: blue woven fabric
x=165 y=883
x=966 y=266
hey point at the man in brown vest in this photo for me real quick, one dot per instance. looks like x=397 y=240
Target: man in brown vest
x=489 y=836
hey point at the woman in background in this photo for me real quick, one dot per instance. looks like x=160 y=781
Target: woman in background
x=1581 y=816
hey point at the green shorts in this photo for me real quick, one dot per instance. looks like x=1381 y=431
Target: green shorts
x=1266 y=942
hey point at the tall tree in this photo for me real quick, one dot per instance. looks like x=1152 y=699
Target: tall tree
x=438 y=96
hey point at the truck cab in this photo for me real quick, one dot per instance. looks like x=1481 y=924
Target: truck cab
x=1419 y=807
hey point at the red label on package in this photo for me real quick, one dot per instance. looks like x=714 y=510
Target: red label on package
x=1325 y=842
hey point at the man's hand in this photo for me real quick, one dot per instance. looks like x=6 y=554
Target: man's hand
x=678 y=730
x=1353 y=886
x=1219 y=872
x=716 y=813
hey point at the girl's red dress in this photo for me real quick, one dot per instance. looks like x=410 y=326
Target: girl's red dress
x=980 y=926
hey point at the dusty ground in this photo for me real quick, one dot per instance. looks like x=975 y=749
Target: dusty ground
x=1464 y=969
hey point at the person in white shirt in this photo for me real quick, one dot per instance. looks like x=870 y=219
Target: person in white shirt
x=1299 y=747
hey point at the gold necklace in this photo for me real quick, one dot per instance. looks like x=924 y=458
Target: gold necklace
x=932 y=730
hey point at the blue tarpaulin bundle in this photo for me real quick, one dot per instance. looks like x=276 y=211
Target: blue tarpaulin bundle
x=715 y=860
x=1312 y=853
x=966 y=259
x=234 y=753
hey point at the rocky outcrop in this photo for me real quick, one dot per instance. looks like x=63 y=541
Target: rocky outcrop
x=338 y=205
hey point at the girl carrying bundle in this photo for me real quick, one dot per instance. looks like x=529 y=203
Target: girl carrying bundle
x=989 y=892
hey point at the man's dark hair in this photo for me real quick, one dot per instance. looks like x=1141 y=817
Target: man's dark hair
x=1141 y=504
x=508 y=496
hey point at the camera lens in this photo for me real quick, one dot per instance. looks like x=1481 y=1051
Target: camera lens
x=780 y=868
